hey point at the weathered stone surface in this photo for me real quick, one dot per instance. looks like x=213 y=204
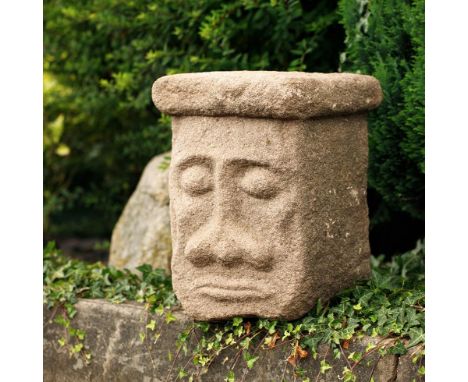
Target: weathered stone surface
x=285 y=95
x=267 y=215
x=142 y=233
x=407 y=370
x=118 y=354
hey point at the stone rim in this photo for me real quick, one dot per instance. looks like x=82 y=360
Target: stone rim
x=266 y=94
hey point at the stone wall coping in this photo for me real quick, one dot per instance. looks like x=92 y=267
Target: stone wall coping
x=266 y=94
x=118 y=353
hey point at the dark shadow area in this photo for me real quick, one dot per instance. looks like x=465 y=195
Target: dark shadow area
x=391 y=232
x=88 y=249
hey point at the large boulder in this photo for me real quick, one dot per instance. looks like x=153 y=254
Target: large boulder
x=142 y=234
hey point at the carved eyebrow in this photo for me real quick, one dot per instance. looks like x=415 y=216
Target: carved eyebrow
x=242 y=162
x=194 y=160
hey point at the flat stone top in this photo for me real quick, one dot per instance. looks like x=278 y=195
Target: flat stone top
x=263 y=94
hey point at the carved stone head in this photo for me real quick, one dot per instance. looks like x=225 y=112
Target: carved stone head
x=268 y=189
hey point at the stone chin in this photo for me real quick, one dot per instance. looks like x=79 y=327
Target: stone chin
x=233 y=304
x=274 y=295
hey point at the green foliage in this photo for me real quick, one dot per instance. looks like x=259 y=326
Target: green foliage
x=385 y=38
x=101 y=58
x=390 y=306
x=65 y=280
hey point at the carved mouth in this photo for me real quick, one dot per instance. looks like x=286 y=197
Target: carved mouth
x=232 y=291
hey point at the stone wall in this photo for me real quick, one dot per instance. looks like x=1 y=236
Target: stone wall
x=118 y=354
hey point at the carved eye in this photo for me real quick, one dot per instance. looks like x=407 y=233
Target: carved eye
x=260 y=183
x=196 y=180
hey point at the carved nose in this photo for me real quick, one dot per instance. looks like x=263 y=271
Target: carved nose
x=200 y=255
x=228 y=254
x=221 y=241
x=213 y=248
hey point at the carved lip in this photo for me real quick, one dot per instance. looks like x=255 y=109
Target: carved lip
x=230 y=290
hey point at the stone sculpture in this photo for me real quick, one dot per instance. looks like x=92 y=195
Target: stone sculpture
x=142 y=234
x=267 y=188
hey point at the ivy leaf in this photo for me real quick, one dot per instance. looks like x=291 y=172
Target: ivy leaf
x=245 y=343
x=159 y=310
x=416 y=336
x=336 y=354
x=229 y=339
x=182 y=373
x=324 y=366
x=61 y=320
x=152 y=325
x=318 y=307
x=312 y=342
x=230 y=377
x=348 y=375
x=251 y=362
x=170 y=317
x=77 y=348
x=203 y=326
x=156 y=337
x=272 y=327
x=271 y=340
x=398 y=349
x=80 y=334
x=355 y=356
x=301 y=352
x=239 y=330
x=292 y=360
x=247 y=327
x=71 y=310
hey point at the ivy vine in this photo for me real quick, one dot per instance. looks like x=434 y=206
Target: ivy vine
x=390 y=306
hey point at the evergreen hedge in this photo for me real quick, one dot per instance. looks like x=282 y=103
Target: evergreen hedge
x=101 y=58
x=385 y=38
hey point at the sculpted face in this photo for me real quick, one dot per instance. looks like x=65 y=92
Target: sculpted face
x=267 y=188
x=235 y=223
